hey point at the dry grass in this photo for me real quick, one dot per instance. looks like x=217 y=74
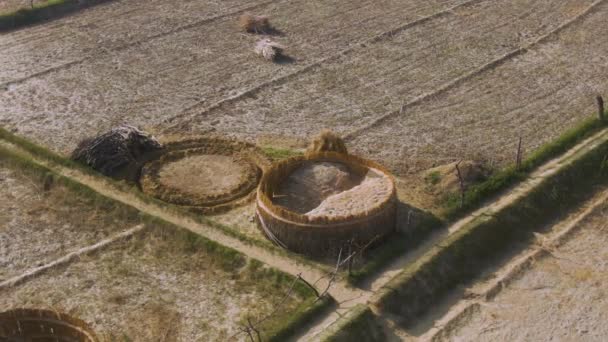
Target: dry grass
x=254 y=23
x=269 y=49
x=327 y=141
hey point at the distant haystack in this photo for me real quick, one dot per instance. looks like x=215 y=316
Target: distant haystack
x=327 y=141
x=254 y=23
x=111 y=152
x=268 y=49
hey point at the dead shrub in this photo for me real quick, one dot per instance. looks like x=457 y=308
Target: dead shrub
x=254 y=23
x=327 y=141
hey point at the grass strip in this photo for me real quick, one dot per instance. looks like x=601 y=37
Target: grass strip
x=393 y=248
x=227 y=258
x=476 y=195
x=488 y=238
x=42 y=11
x=47 y=155
x=358 y=324
x=277 y=154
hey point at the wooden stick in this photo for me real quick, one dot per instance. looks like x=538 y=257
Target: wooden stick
x=461 y=181
x=518 y=160
x=309 y=285
x=600 y=108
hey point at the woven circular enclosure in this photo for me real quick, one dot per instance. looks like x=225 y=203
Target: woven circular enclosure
x=204 y=174
x=43 y=325
x=322 y=202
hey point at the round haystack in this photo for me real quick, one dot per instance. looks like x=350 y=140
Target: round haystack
x=204 y=174
x=322 y=202
x=43 y=325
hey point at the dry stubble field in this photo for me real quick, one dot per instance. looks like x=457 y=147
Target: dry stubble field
x=158 y=285
x=155 y=66
x=412 y=84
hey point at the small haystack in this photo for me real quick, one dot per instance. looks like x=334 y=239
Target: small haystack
x=327 y=141
x=112 y=152
x=269 y=49
x=254 y=23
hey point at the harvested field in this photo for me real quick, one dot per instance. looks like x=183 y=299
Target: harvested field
x=38 y=226
x=413 y=85
x=155 y=288
x=98 y=80
x=474 y=119
x=111 y=85
x=562 y=296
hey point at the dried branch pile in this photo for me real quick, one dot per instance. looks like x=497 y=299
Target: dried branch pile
x=327 y=141
x=254 y=23
x=111 y=152
x=269 y=49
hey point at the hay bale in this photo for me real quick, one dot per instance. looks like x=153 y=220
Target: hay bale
x=112 y=152
x=268 y=49
x=254 y=23
x=327 y=141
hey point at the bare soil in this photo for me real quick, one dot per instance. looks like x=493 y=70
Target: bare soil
x=561 y=297
x=38 y=226
x=203 y=174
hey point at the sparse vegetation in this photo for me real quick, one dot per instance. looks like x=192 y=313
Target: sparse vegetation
x=503 y=179
x=278 y=154
x=433 y=177
x=466 y=253
x=187 y=242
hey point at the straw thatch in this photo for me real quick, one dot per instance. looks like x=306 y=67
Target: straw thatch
x=254 y=23
x=327 y=141
x=111 y=152
x=151 y=183
x=273 y=178
x=173 y=150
